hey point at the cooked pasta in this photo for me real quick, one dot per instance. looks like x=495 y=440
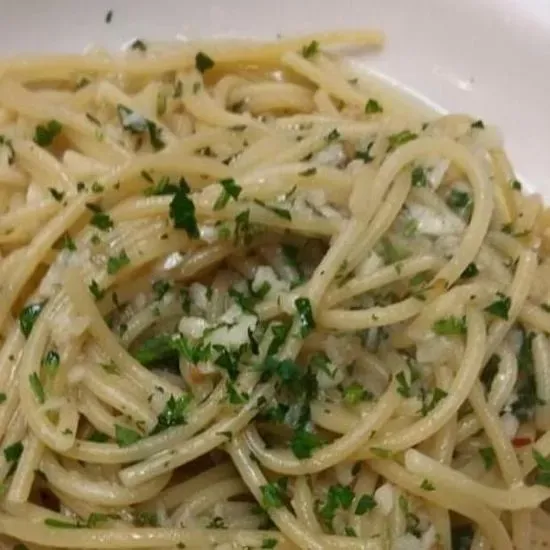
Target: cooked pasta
x=252 y=299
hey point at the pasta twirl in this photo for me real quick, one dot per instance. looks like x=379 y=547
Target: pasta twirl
x=249 y=299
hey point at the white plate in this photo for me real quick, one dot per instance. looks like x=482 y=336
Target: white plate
x=490 y=58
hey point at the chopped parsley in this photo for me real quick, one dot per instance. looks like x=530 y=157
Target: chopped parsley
x=515 y=184
x=500 y=307
x=160 y=288
x=372 y=106
x=310 y=49
x=164 y=186
x=97 y=292
x=478 y=124
x=125 y=436
x=470 y=271
x=281 y=212
x=303 y=443
x=137 y=124
x=109 y=16
x=203 y=63
x=333 y=136
x=4 y=141
x=269 y=543
x=418 y=177
x=364 y=154
x=13 y=452
x=37 y=387
x=365 y=504
x=138 y=45
x=173 y=413
x=526 y=388
x=355 y=393
x=305 y=315
x=230 y=191
x=98 y=437
x=3 y=397
x=44 y=134
x=431 y=399
x=102 y=221
x=450 y=325
x=274 y=493
x=396 y=140
x=458 y=200
x=182 y=213
x=280 y=332
x=242 y=227
x=427 y=485
x=60 y=524
x=308 y=172
x=116 y=263
x=51 y=361
x=543 y=464
x=28 y=317
x=488 y=456
x=57 y=195
x=235 y=397
x=403 y=386
x=338 y=497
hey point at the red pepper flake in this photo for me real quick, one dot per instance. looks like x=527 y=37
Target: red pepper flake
x=521 y=441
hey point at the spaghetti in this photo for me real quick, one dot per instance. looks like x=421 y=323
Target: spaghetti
x=250 y=299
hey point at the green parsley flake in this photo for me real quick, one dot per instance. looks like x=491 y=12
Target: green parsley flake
x=488 y=456
x=60 y=524
x=478 y=124
x=280 y=212
x=305 y=315
x=125 y=436
x=102 y=221
x=13 y=452
x=138 y=45
x=470 y=271
x=427 y=485
x=338 y=497
x=203 y=63
x=418 y=177
x=365 y=504
x=458 y=200
x=51 y=362
x=543 y=464
x=137 y=124
x=396 y=140
x=450 y=325
x=37 y=387
x=28 y=317
x=429 y=404
x=57 y=195
x=116 y=263
x=373 y=106
x=333 y=136
x=45 y=134
x=310 y=49
x=3 y=397
x=500 y=307
x=97 y=292
x=303 y=443
x=182 y=213
x=355 y=393
x=403 y=386
x=273 y=494
x=173 y=413
x=230 y=190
